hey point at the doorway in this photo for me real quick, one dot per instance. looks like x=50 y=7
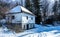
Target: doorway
x=27 y=26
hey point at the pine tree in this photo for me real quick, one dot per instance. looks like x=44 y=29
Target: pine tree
x=28 y=5
x=37 y=10
x=33 y=6
x=55 y=10
x=44 y=6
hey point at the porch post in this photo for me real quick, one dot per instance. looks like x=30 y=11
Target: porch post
x=22 y=26
x=25 y=26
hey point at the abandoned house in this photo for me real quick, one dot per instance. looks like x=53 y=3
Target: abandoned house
x=20 y=17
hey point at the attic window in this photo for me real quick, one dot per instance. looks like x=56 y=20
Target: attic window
x=13 y=17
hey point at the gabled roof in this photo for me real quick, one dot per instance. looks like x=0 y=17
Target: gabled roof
x=19 y=9
x=15 y=9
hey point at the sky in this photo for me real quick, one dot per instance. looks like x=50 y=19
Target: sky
x=51 y=1
x=13 y=0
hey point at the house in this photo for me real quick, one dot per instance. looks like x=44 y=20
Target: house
x=20 y=16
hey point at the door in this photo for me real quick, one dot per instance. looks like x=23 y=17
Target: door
x=27 y=26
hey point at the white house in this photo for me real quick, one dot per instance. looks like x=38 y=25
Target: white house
x=22 y=16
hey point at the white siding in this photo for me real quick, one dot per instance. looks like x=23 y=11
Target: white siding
x=17 y=18
x=29 y=20
x=22 y=17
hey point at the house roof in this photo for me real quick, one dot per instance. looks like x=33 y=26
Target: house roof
x=19 y=9
x=15 y=9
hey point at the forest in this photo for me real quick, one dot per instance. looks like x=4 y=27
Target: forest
x=46 y=11
x=44 y=21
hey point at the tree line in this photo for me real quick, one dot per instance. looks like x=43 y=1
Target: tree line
x=37 y=7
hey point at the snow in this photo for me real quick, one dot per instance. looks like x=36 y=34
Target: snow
x=3 y=21
x=19 y=8
x=15 y=9
x=25 y=10
x=38 y=31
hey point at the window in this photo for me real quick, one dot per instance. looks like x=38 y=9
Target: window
x=13 y=17
x=27 y=17
x=27 y=26
x=31 y=18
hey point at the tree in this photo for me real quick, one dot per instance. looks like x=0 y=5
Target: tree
x=55 y=10
x=33 y=6
x=44 y=8
x=4 y=6
x=28 y=5
x=37 y=10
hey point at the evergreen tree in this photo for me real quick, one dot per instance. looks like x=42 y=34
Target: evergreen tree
x=33 y=6
x=28 y=5
x=55 y=10
x=37 y=10
x=44 y=6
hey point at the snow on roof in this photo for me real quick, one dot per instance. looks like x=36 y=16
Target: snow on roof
x=15 y=9
x=25 y=10
x=19 y=9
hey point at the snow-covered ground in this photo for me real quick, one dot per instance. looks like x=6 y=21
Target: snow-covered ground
x=38 y=31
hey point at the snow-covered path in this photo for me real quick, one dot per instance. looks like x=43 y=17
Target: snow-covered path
x=38 y=31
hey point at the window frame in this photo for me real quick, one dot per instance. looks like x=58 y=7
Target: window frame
x=12 y=17
x=27 y=17
x=31 y=18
